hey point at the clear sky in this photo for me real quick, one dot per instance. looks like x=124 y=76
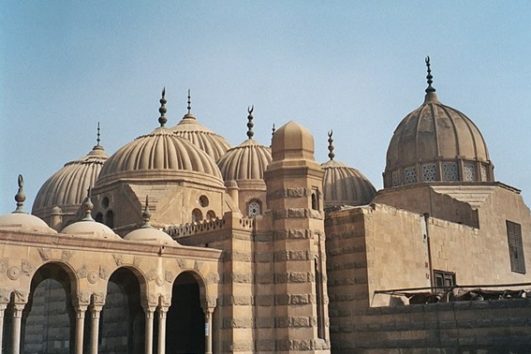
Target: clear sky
x=353 y=66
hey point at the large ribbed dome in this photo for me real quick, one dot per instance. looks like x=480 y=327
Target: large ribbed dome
x=68 y=186
x=160 y=155
x=189 y=128
x=436 y=142
x=343 y=185
x=246 y=161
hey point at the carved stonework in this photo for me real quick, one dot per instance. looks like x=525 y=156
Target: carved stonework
x=181 y=263
x=83 y=298
x=98 y=299
x=13 y=273
x=3 y=265
x=159 y=281
x=92 y=277
x=151 y=275
x=5 y=296
x=27 y=267
x=103 y=274
x=168 y=276
x=45 y=253
x=20 y=297
x=82 y=272
x=118 y=259
x=66 y=255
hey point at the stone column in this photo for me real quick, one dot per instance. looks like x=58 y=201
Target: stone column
x=162 y=330
x=17 y=323
x=2 y=309
x=80 y=328
x=95 y=311
x=148 y=337
x=208 y=330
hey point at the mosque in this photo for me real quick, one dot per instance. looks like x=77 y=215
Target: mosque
x=179 y=243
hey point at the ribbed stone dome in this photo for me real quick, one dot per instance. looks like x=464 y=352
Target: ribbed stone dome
x=161 y=155
x=203 y=138
x=343 y=185
x=247 y=161
x=436 y=142
x=68 y=187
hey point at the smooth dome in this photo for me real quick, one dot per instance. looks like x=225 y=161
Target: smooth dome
x=68 y=186
x=91 y=229
x=190 y=129
x=25 y=223
x=343 y=185
x=161 y=155
x=292 y=141
x=436 y=142
x=247 y=161
x=147 y=234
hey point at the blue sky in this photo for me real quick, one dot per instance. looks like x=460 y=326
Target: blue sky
x=353 y=66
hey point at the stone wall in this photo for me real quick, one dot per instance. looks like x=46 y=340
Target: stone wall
x=501 y=326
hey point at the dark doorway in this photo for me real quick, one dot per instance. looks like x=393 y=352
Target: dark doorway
x=185 y=327
x=122 y=321
x=48 y=320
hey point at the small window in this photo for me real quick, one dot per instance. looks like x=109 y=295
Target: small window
x=211 y=215
x=99 y=218
x=516 y=250
x=105 y=203
x=443 y=279
x=315 y=199
x=197 y=215
x=254 y=208
x=109 y=219
x=203 y=201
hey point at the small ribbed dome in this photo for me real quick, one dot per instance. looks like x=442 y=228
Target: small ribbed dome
x=68 y=186
x=160 y=155
x=150 y=235
x=436 y=142
x=19 y=220
x=292 y=141
x=25 y=223
x=203 y=138
x=246 y=161
x=343 y=185
x=91 y=229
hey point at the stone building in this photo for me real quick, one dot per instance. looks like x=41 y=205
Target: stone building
x=179 y=243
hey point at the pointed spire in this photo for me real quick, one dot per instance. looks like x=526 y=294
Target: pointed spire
x=146 y=215
x=429 y=77
x=98 y=140
x=20 y=197
x=162 y=109
x=189 y=106
x=331 y=154
x=250 y=124
x=87 y=206
x=273 y=131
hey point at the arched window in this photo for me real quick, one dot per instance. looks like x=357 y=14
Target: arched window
x=254 y=208
x=109 y=219
x=315 y=200
x=99 y=218
x=197 y=215
x=211 y=215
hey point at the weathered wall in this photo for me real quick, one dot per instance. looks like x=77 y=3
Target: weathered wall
x=500 y=326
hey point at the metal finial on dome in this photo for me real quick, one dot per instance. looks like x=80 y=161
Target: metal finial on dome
x=162 y=109
x=88 y=206
x=189 y=106
x=429 y=77
x=20 y=197
x=98 y=135
x=250 y=124
x=273 y=130
x=331 y=154
x=146 y=215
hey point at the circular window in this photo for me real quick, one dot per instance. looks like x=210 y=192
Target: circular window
x=254 y=208
x=203 y=201
x=105 y=202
